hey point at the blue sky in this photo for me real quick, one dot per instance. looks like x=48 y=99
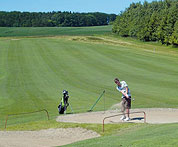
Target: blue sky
x=106 y=6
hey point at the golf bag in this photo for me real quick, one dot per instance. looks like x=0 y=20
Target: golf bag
x=64 y=102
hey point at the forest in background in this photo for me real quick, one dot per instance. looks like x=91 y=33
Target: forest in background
x=155 y=21
x=54 y=19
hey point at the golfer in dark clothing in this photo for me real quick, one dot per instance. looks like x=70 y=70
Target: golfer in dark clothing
x=126 y=98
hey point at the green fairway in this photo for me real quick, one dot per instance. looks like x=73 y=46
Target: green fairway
x=53 y=31
x=35 y=70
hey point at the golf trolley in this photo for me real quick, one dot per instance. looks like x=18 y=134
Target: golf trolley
x=64 y=103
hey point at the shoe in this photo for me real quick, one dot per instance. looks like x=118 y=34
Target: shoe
x=123 y=117
x=127 y=119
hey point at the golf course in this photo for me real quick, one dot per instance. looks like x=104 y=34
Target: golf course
x=37 y=64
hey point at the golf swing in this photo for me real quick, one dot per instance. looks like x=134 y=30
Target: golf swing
x=126 y=98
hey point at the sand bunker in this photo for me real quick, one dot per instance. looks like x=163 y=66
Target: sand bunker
x=153 y=116
x=44 y=138
x=61 y=136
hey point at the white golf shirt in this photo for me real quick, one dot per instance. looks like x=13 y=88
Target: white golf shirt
x=123 y=88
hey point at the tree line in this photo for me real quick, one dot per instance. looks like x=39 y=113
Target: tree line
x=54 y=19
x=155 y=21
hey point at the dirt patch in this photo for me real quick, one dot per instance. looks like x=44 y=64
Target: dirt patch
x=99 y=40
x=44 y=138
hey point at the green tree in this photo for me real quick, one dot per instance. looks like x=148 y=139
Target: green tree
x=155 y=21
x=174 y=37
